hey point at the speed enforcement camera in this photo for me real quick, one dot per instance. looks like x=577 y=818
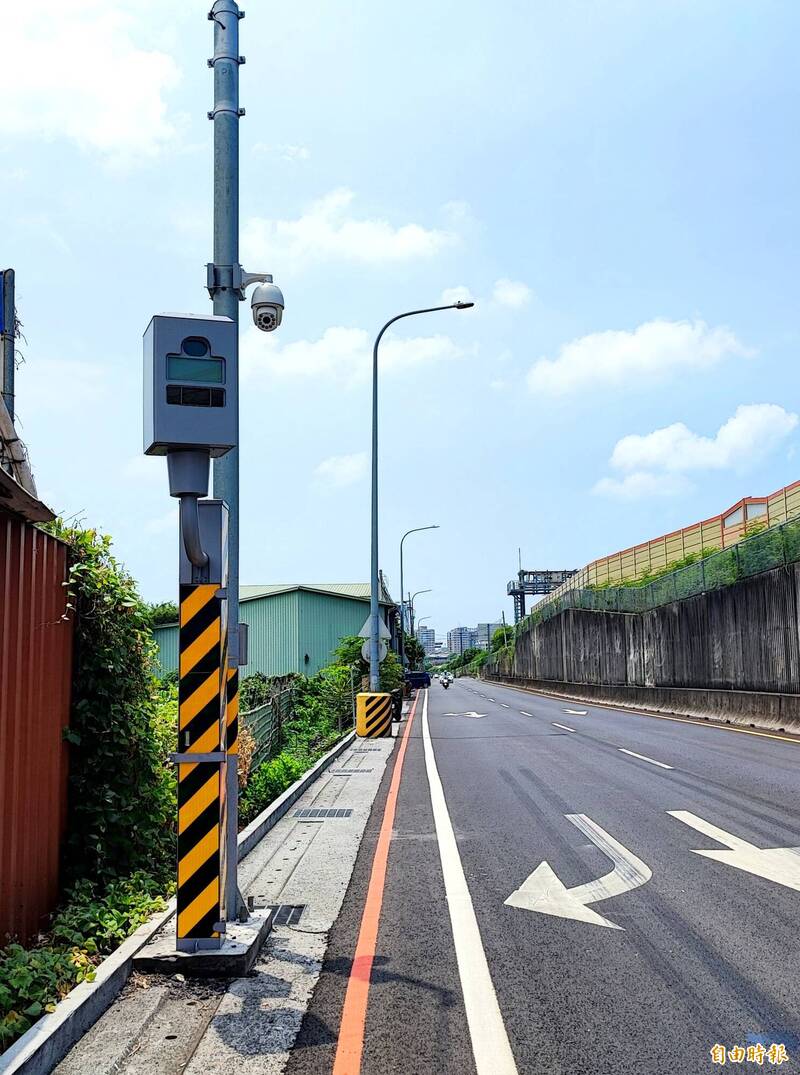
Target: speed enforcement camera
x=190 y=384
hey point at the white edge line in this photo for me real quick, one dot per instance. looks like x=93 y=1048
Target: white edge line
x=643 y=757
x=490 y=1045
x=565 y=728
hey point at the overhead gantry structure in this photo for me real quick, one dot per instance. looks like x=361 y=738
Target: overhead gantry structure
x=534 y=582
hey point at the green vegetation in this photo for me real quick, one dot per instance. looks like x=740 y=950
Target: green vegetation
x=120 y=842
x=761 y=549
x=161 y=613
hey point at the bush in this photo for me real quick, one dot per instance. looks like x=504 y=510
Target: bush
x=32 y=981
x=98 y=922
x=121 y=814
x=91 y=924
x=269 y=781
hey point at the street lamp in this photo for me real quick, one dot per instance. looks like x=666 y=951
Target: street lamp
x=374 y=671
x=416 y=530
x=411 y=608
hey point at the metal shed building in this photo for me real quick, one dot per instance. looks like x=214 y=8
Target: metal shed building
x=293 y=627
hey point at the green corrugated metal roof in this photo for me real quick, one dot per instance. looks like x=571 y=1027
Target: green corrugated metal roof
x=357 y=590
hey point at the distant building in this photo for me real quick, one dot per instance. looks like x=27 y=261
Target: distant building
x=293 y=627
x=484 y=633
x=426 y=636
x=460 y=639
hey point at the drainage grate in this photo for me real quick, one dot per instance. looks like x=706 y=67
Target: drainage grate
x=366 y=750
x=288 y=914
x=319 y=813
x=350 y=772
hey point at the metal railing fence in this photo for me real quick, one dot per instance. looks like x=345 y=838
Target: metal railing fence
x=770 y=548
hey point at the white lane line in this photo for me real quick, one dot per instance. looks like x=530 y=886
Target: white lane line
x=490 y=1045
x=643 y=757
x=490 y=699
x=522 y=711
x=565 y=728
x=505 y=706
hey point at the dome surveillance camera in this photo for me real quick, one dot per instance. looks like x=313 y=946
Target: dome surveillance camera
x=267 y=305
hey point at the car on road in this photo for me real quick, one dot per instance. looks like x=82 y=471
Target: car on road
x=417 y=680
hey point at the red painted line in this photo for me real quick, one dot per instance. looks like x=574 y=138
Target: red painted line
x=350 y=1045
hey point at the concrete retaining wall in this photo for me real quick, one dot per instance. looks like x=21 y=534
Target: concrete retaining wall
x=732 y=653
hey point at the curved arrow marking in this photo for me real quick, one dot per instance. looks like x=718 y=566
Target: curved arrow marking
x=543 y=892
x=778 y=864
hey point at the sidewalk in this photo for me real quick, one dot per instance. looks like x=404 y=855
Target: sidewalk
x=163 y=1026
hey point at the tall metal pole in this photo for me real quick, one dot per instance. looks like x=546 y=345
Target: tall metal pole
x=9 y=333
x=416 y=530
x=374 y=636
x=225 y=291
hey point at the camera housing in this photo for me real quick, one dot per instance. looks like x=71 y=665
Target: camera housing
x=267 y=304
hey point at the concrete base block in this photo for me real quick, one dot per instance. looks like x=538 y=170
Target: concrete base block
x=234 y=959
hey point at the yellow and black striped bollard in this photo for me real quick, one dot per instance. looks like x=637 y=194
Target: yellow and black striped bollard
x=199 y=790
x=373 y=714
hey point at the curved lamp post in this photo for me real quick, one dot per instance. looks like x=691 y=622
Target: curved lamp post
x=374 y=614
x=416 y=530
x=411 y=607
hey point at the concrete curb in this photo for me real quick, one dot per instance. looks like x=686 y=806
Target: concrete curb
x=49 y=1040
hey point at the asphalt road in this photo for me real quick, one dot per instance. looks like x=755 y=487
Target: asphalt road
x=704 y=952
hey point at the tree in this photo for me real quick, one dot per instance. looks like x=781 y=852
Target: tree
x=415 y=653
x=349 y=652
x=502 y=637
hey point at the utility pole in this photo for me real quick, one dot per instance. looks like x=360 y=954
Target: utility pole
x=224 y=286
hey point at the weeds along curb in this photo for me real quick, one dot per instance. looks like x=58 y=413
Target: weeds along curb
x=49 y=1040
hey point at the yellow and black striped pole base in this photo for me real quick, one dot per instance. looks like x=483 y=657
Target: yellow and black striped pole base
x=199 y=803
x=373 y=715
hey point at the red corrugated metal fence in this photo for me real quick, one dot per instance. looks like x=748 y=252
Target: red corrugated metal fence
x=35 y=676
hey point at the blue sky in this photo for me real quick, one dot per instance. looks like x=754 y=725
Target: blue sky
x=615 y=184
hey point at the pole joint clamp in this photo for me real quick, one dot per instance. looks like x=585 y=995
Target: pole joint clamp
x=224 y=56
x=225 y=107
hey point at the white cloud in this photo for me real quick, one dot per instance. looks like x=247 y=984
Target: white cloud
x=456 y=294
x=282 y=152
x=511 y=293
x=328 y=231
x=655 y=464
x=339 y=471
x=650 y=352
x=752 y=433
x=74 y=70
x=641 y=484
x=341 y=353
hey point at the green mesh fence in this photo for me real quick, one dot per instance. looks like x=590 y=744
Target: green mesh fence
x=264 y=724
x=764 y=551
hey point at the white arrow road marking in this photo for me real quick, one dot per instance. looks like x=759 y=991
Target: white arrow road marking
x=544 y=892
x=576 y=712
x=563 y=726
x=475 y=716
x=643 y=757
x=778 y=864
